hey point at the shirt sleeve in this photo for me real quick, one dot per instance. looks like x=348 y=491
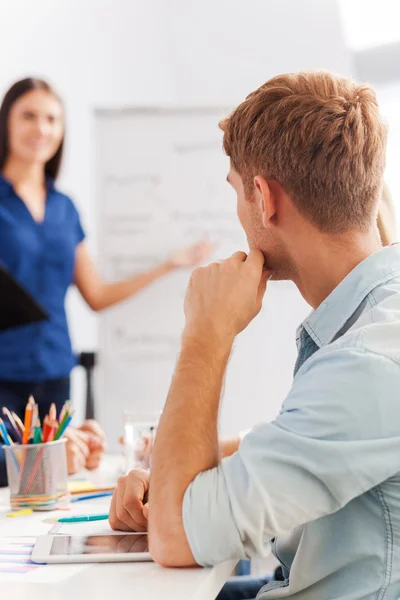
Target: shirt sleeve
x=336 y=437
x=79 y=232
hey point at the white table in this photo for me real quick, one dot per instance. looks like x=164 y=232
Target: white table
x=117 y=581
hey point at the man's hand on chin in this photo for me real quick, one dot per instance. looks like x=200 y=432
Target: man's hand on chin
x=224 y=297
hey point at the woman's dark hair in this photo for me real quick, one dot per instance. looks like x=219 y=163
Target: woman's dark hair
x=16 y=91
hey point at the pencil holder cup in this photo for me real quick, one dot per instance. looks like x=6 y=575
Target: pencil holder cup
x=37 y=475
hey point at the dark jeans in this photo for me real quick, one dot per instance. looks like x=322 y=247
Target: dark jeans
x=247 y=588
x=14 y=395
x=242 y=588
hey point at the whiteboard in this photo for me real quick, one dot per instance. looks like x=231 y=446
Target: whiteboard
x=161 y=185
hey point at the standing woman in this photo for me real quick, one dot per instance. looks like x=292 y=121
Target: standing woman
x=42 y=245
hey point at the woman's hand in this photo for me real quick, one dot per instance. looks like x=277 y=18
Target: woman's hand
x=78 y=451
x=192 y=255
x=85 y=446
x=96 y=441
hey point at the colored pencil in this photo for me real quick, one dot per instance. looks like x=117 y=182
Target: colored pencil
x=35 y=416
x=5 y=435
x=28 y=420
x=53 y=429
x=37 y=436
x=63 y=427
x=8 y=442
x=46 y=428
x=64 y=409
x=11 y=420
x=53 y=412
x=93 y=490
x=91 y=496
x=18 y=422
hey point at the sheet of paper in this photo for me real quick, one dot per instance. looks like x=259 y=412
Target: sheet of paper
x=16 y=564
x=29 y=525
x=40 y=523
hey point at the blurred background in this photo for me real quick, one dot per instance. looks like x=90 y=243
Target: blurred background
x=105 y=57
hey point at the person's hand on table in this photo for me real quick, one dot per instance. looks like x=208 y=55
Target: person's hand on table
x=78 y=451
x=129 y=508
x=85 y=446
x=92 y=426
x=96 y=441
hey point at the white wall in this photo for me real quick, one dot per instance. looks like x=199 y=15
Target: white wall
x=130 y=52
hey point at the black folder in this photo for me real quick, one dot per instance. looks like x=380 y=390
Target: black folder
x=17 y=307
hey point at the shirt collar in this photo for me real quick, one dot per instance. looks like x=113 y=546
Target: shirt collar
x=324 y=323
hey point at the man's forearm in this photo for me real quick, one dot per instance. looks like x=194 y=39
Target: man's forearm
x=187 y=440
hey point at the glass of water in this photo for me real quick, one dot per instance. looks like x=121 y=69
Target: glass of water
x=139 y=435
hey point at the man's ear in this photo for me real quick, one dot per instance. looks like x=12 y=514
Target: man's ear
x=265 y=199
